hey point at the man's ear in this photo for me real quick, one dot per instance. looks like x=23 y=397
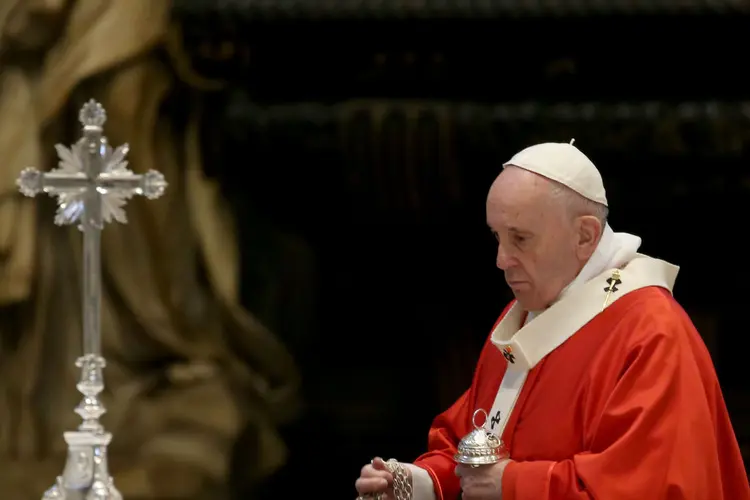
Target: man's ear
x=589 y=231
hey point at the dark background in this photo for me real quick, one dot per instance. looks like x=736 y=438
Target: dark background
x=357 y=141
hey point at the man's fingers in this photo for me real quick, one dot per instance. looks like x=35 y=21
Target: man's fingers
x=463 y=470
x=371 y=471
x=374 y=478
x=367 y=485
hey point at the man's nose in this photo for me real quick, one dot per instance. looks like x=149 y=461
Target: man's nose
x=503 y=260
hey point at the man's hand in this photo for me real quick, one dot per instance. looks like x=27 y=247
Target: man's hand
x=482 y=483
x=374 y=479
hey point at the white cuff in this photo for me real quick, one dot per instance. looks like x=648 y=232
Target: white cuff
x=421 y=483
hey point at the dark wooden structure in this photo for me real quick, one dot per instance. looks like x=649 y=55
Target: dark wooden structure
x=357 y=140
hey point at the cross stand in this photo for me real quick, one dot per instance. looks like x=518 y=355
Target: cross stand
x=92 y=184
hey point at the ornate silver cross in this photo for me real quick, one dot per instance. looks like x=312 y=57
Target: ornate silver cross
x=92 y=184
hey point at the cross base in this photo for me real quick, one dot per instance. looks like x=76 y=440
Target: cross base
x=86 y=476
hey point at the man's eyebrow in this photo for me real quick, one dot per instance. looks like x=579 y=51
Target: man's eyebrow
x=511 y=229
x=519 y=231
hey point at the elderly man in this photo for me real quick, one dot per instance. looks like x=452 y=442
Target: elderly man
x=596 y=379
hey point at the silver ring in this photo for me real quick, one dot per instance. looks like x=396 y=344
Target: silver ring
x=480 y=411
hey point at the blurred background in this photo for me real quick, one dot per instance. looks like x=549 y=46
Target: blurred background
x=317 y=283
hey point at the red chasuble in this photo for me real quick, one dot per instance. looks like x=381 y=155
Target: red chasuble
x=628 y=408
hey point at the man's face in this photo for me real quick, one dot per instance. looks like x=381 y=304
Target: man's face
x=537 y=239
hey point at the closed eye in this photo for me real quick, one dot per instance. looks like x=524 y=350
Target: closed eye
x=520 y=238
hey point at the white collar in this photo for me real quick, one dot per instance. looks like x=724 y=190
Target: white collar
x=524 y=346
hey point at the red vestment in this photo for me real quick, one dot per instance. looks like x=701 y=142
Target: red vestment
x=628 y=408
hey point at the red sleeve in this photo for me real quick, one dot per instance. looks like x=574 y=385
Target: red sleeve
x=658 y=432
x=451 y=426
x=442 y=440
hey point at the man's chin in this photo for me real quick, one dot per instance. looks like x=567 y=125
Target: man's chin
x=527 y=302
x=519 y=295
